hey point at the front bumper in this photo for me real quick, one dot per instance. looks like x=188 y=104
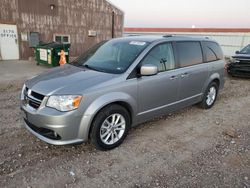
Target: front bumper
x=54 y=127
x=237 y=69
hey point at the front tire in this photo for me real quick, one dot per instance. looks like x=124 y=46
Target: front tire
x=210 y=96
x=110 y=127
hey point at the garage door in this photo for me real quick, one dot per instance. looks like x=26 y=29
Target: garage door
x=8 y=42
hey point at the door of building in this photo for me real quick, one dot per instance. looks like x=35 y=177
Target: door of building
x=8 y=42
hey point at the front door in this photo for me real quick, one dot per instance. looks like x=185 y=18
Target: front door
x=8 y=42
x=156 y=93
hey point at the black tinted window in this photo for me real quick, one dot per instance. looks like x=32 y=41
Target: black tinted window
x=212 y=51
x=162 y=56
x=245 y=50
x=189 y=53
x=210 y=54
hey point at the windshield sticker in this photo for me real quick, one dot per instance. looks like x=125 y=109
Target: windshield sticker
x=138 y=43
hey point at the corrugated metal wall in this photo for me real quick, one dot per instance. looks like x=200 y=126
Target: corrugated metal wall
x=230 y=42
x=69 y=17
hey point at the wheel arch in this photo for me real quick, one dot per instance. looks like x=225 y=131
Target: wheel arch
x=217 y=81
x=213 y=78
x=122 y=99
x=121 y=103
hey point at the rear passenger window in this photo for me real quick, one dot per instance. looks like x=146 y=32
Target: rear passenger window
x=189 y=53
x=210 y=54
x=212 y=51
x=162 y=56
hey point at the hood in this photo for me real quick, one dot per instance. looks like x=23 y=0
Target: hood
x=241 y=56
x=68 y=79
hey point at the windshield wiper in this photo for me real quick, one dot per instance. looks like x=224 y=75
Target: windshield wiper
x=75 y=63
x=91 y=68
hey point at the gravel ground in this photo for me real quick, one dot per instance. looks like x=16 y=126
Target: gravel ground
x=190 y=148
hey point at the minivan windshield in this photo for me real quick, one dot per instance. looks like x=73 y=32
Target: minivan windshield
x=114 y=56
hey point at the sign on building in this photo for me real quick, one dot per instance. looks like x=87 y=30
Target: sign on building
x=9 y=49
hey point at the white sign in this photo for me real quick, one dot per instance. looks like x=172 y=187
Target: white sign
x=24 y=37
x=92 y=33
x=137 y=43
x=8 y=33
x=43 y=54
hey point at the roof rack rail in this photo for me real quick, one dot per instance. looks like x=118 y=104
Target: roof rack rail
x=133 y=35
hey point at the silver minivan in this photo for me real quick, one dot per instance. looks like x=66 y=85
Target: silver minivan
x=120 y=83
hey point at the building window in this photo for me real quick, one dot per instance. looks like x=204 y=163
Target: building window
x=62 y=38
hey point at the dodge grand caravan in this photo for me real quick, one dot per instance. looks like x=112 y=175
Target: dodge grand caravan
x=118 y=84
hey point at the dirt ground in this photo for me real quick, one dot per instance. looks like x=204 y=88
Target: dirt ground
x=190 y=148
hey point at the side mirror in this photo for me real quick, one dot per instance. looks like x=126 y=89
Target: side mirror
x=148 y=70
x=237 y=52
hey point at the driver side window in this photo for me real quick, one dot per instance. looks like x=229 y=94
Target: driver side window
x=162 y=56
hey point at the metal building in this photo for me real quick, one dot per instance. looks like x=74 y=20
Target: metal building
x=25 y=23
x=230 y=40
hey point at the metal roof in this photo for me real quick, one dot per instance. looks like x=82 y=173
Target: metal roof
x=113 y=5
x=197 y=30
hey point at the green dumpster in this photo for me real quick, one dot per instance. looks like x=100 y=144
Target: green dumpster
x=50 y=53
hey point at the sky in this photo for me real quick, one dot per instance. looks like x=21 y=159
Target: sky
x=186 y=13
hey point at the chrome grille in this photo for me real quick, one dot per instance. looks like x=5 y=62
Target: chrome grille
x=32 y=98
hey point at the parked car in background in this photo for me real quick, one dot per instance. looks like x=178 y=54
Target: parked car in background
x=120 y=83
x=241 y=63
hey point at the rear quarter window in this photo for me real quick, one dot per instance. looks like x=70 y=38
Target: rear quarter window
x=212 y=51
x=189 y=53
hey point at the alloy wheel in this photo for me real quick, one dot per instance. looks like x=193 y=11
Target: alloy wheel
x=211 y=95
x=112 y=129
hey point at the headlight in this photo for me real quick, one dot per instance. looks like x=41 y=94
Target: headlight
x=65 y=102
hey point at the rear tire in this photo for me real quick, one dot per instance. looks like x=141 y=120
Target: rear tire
x=110 y=127
x=209 y=96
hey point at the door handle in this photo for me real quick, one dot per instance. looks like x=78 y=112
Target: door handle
x=184 y=75
x=173 y=77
